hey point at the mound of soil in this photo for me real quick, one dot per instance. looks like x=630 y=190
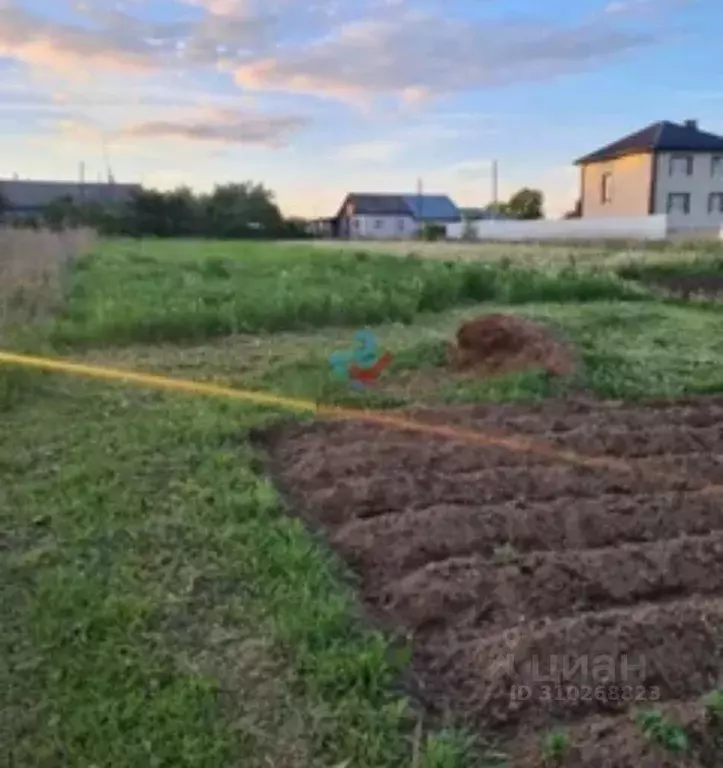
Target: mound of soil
x=537 y=594
x=498 y=344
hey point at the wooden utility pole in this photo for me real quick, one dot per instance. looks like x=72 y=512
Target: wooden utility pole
x=495 y=197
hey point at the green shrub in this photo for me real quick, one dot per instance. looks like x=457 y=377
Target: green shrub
x=432 y=232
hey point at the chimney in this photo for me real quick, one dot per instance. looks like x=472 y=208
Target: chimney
x=691 y=124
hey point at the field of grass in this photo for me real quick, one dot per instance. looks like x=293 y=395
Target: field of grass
x=594 y=253
x=158 y=606
x=191 y=291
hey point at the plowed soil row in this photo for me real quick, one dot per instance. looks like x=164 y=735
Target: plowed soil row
x=662 y=651
x=534 y=592
x=474 y=591
x=402 y=541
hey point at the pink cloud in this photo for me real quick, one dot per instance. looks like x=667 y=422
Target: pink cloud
x=35 y=41
x=416 y=56
x=221 y=126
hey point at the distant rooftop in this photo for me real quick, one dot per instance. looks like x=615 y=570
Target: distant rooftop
x=421 y=207
x=28 y=194
x=437 y=207
x=663 y=136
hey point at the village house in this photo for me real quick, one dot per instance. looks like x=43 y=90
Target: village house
x=669 y=168
x=390 y=216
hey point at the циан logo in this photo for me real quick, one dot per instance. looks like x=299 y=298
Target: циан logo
x=362 y=365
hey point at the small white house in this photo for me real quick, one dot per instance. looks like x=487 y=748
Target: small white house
x=388 y=217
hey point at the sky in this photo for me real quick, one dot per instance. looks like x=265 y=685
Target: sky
x=318 y=98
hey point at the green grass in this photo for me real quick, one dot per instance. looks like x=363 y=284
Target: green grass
x=702 y=264
x=159 y=607
x=713 y=703
x=634 y=352
x=630 y=351
x=142 y=554
x=670 y=736
x=555 y=746
x=186 y=291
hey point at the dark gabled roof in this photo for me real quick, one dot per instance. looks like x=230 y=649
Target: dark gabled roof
x=420 y=207
x=663 y=136
x=375 y=205
x=22 y=193
x=434 y=207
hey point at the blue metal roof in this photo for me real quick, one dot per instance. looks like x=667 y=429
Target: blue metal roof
x=431 y=207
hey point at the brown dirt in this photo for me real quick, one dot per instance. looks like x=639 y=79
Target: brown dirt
x=499 y=344
x=601 y=741
x=537 y=594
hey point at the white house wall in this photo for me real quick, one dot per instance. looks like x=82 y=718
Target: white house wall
x=383 y=227
x=699 y=185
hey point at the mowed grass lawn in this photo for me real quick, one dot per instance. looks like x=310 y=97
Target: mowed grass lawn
x=158 y=608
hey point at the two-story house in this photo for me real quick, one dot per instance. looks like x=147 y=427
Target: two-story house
x=670 y=168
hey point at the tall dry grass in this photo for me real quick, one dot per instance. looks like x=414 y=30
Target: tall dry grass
x=32 y=265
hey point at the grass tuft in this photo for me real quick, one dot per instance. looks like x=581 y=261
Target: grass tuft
x=670 y=736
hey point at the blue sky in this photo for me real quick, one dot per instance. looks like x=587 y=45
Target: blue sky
x=320 y=97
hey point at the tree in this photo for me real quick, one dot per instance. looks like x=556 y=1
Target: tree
x=242 y=210
x=231 y=211
x=182 y=212
x=296 y=228
x=499 y=210
x=61 y=213
x=526 y=204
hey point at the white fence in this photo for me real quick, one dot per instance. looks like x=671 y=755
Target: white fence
x=633 y=228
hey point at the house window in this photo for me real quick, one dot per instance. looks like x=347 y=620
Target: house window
x=606 y=188
x=355 y=223
x=400 y=225
x=679 y=202
x=681 y=165
x=715 y=202
x=716 y=165
x=378 y=223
